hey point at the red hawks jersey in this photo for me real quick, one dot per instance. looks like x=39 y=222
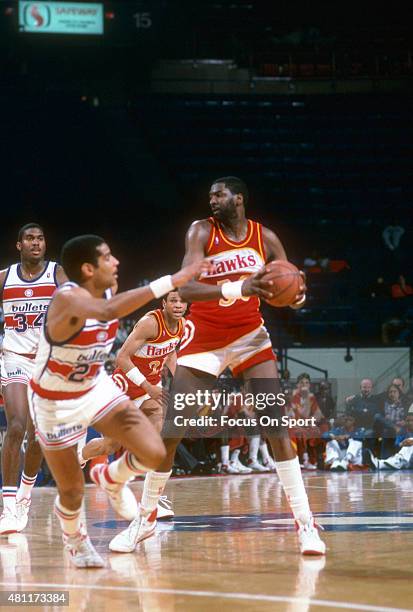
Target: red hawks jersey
x=150 y=357
x=233 y=261
x=69 y=369
x=25 y=303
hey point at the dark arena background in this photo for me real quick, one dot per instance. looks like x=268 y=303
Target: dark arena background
x=116 y=117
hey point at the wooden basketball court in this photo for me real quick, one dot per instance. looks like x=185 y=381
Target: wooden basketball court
x=232 y=546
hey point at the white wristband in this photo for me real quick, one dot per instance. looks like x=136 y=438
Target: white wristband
x=232 y=290
x=136 y=376
x=162 y=285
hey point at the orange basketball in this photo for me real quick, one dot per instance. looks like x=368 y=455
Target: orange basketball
x=286 y=281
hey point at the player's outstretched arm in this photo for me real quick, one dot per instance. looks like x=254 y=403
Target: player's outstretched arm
x=70 y=309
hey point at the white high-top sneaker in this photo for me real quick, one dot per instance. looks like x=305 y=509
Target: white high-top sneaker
x=308 y=538
x=120 y=496
x=164 y=509
x=81 y=551
x=256 y=466
x=22 y=512
x=141 y=528
x=8 y=522
x=242 y=469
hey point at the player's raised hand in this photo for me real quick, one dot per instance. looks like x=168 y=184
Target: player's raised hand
x=255 y=285
x=193 y=270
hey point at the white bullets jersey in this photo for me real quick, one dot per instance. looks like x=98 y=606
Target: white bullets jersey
x=69 y=369
x=25 y=303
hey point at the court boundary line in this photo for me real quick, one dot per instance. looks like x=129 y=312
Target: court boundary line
x=216 y=594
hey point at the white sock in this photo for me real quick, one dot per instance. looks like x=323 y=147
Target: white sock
x=235 y=455
x=26 y=485
x=289 y=473
x=253 y=448
x=225 y=454
x=152 y=490
x=264 y=453
x=69 y=519
x=124 y=468
x=9 y=499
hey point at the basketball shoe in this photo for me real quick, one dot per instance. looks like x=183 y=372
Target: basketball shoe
x=120 y=496
x=164 y=509
x=309 y=541
x=22 y=512
x=240 y=467
x=8 y=522
x=81 y=551
x=256 y=466
x=141 y=528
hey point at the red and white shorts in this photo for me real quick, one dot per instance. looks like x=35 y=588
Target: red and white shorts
x=16 y=368
x=238 y=354
x=62 y=423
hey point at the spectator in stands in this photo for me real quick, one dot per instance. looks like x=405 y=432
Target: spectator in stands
x=401 y=289
x=364 y=407
x=400 y=383
x=403 y=459
x=325 y=400
x=344 y=445
x=303 y=406
x=388 y=424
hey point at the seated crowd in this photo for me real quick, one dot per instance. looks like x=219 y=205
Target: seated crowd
x=374 y=431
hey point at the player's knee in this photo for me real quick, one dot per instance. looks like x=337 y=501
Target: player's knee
x=16 y=429
x=155 y=454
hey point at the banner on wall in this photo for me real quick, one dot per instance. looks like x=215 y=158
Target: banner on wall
x=61 y=17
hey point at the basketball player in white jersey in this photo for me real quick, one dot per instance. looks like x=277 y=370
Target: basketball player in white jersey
x=27 y=288
x=70 y=389
x=149 y=347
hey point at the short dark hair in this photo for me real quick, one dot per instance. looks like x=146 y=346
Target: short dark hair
x=21 y=231
x=77 y=251
x=392 y=386
x=235 y=185
x=303 y=376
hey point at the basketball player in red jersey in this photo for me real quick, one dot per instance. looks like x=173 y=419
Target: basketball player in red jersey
x=225 y=328
x=70 y=390
x=150 y=346
x=27 y=288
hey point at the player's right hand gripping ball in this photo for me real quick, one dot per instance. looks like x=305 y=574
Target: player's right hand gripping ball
x=286 y=282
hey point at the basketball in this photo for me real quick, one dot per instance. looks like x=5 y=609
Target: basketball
x=286 y=280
